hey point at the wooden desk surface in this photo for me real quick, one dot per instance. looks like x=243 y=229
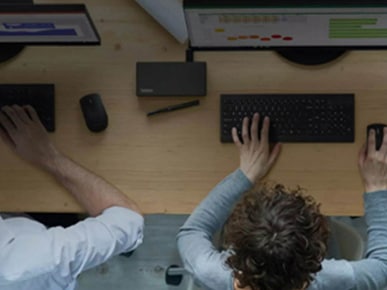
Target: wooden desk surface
x=169 y=163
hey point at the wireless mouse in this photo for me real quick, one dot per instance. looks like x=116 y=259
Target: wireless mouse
x=378 y=127
x=94 y=112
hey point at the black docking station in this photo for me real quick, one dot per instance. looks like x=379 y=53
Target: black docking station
x=171 y=79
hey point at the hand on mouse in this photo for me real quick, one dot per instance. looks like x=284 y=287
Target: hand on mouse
x=373 y=163
x=23 y=132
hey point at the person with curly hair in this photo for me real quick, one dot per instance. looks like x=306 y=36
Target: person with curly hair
x=276 y=238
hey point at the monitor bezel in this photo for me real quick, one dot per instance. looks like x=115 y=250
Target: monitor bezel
x=275 y=3
x=54 y=8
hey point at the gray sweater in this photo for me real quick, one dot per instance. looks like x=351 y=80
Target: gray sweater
x=207 y=264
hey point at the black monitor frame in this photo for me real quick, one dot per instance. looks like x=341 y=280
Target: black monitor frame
x=10 y=49
x=306 y=55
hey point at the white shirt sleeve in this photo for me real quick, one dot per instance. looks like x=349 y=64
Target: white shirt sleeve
x=93 y=241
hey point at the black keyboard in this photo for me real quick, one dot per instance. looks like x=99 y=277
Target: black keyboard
x=293 y=117
x=39 y=96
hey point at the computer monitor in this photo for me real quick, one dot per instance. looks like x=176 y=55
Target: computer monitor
x=23 y=23
x=304 y=31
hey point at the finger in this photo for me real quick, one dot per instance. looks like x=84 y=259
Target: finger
x=31 y=111
x=371 y=143
x=265 y=131
x=235 y=137
x=383 y=147
x=245 y=131
x=22 y=114
x=6 y=138
x=254 y=128
x=33 y=115
x=13 y=115
x=274 y=154
x=362 y=154
x=6 y=123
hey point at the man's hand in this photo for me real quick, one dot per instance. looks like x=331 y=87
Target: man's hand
x=23 y=132
x=373 y=163
x=255 y=156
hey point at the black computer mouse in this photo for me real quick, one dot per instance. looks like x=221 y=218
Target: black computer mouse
x=94 y=112
x=378 y=127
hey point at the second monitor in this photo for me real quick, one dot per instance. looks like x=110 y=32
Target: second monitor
x=307 y=32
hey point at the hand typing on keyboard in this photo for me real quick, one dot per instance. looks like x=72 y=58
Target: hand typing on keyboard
x=40 y=96
x=15 y=120
x=255 y=156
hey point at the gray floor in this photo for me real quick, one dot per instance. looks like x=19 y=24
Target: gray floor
x=146 y=268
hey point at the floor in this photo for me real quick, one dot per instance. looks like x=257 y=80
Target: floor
x=146 y=267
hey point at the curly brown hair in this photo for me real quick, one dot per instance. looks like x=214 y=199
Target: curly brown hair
x=278 y=239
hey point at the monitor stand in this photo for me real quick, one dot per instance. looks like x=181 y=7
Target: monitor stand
x=8 y=51
x=311 y=55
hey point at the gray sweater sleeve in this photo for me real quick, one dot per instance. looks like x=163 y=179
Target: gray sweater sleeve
x=371 y=272
x=194 y=240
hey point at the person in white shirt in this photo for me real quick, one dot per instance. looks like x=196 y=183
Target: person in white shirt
x=36 y=258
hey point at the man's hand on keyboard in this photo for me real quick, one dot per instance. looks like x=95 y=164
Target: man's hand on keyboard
x=255 y=156
x=23 y=132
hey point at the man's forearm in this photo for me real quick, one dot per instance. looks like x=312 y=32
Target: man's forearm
x=92 y=192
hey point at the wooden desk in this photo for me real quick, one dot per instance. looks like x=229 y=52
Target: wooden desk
x=169 y=163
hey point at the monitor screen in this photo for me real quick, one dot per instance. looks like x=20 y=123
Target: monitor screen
x=46 y=24
x=284 y=23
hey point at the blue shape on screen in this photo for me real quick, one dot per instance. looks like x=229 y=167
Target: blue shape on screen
x=50 y=32
x=40 y=25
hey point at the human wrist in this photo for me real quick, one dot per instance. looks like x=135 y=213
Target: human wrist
x=249 y=175
x=374 y=184
x=52 y=160
x=373 y=187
